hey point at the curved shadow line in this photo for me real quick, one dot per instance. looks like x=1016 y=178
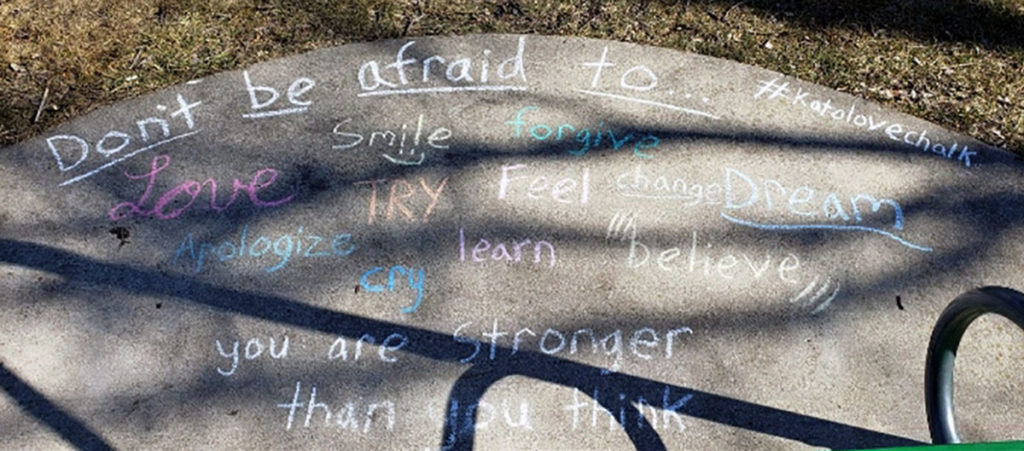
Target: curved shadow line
x=76 y=268
x=32 y=402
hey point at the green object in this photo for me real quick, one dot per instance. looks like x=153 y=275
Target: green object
x=991 y=446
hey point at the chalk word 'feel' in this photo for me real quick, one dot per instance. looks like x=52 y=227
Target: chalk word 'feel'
x=285 y=247
x=191 y=190
x=563 y=191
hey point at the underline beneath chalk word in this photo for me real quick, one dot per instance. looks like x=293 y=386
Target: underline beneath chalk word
x=791 y=227
x=441 y=89
x=132 y=154
x=283 y=112
x=650 y=102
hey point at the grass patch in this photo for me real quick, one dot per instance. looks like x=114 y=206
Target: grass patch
x=957 y=63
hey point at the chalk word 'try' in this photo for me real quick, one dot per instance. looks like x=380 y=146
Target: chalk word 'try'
x=153 y=132
x=284 y=247
x=415 y=279
x=402 y=154
x=191 y=189
x=372 y=77
x=399 y=192
x=772 y=89
x=588 y=138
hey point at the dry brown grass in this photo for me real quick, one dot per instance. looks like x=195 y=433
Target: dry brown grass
x=958 y=63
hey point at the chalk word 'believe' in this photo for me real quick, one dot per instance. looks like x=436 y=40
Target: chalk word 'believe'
x=372 y=80
x=587 y=137
x=562 y=191
x=64 y=147
x=191 y=189
x=285 y=247
x=699 y=259
x=742 y=194
x=895 y=131
x=642 y=342
x=500 y=252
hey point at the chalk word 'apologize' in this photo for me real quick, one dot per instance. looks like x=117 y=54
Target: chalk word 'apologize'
x=743 y=194
x=284 y=247
x=895 y=131
x=191 y=189
x=588 y=137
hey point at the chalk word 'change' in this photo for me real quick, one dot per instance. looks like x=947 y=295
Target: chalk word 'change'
x=285 y=247
x=392 y=78
x=643 y=343
x=385 y=140
x=743 y=195
x=191 y=189
x=638 y=184
x=72 y=150
x=587 y=138
x=772 y=89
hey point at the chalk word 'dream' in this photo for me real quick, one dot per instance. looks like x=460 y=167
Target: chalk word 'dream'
x=636 y=79
x=562 y=191
x=191 y=190
x=459 y=74
x=72 y=150
x=700 y=258
x=743 y=195
x=415 y=279
x=772 y=90
x=643 y=343
x=284 y=248
x=638 y=184
x=385 y=140
x=400 y=192
x=296 y=104
x=343 y=417
x=482 y=250
x=587 y=138
x=254 y=349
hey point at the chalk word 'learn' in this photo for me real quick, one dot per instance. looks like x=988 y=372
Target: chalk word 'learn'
x=285 y=247
x=191 y=189
x=482 y=250
x=393 y=79
x=772 y=89
x=67 y=148
x=743 y=194
x=405 y=155
x=589 y=138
